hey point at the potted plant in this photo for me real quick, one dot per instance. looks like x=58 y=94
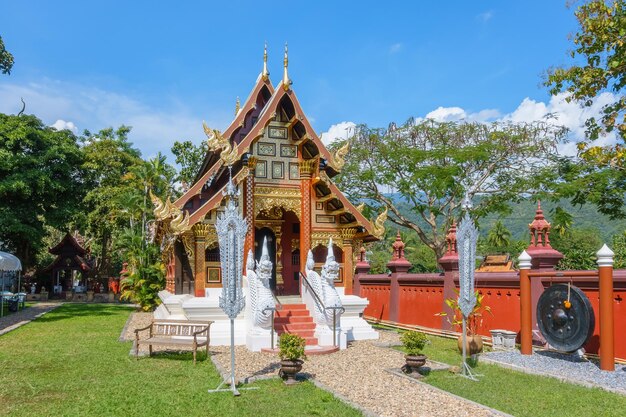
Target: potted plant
x=474 y=341
x=291 y=352
x=413 y=343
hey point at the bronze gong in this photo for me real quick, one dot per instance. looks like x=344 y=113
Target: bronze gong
x=566 y=326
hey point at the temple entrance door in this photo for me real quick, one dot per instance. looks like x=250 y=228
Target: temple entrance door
x=259 y=236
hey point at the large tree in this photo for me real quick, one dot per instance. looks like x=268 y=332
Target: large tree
x=189 y=157
x=6 y=59
x=109 y=160
x=40 y=182
x=599 y=66
x=421 y=171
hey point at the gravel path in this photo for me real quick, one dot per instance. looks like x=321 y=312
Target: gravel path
x=356 y=374
x=22 y=317
x=565 y=367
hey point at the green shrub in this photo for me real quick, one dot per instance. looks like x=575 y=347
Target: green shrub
x=291 y=347
x=413 y=342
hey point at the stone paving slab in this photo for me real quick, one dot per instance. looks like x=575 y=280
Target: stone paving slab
x=22 y=317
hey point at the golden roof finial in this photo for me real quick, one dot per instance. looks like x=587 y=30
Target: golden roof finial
x=237 y=106
x=265 y=74
x=286 y=80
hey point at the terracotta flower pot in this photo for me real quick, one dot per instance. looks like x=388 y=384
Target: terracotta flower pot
x=289 y=369
x=413 y=364
x=473 y=345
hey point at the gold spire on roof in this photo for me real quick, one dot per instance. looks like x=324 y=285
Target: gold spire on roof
x=265 y=74
x=237 y=106
x=286 y=80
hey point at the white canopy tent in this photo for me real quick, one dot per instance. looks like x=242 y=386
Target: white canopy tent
x=8 y=263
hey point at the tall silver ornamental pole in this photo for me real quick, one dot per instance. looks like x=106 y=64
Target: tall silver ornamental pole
x=231 y=231
x=467 y=235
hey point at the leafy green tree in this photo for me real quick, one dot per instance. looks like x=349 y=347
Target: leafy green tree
x=619 y=248
x=579 y=247
x=429 y=166
x=189 y=157
x=40 y=183
x=109 y=158
x=561 y=222
x=6 y=59
x=499 y=237
x=146 y=274
x=599 y=174
x=600 y=48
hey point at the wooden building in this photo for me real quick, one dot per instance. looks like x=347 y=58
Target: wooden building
x=284 y=175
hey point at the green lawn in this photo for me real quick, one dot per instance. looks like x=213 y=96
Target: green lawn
x=518 y=393
x=69 y=363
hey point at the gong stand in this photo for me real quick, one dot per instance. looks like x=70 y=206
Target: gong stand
x=231 y=231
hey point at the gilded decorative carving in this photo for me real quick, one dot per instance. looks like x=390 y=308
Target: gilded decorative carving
x=307 y=166
x=347 y=234
x=321 y=238
x=215 y=140
x=379 y=225
x=360 y=207
x=229 y=155
x=252 y=161
x=338 y=158
x=268 y=200
x=187 y=239
x=211 y=239
x=201 y=230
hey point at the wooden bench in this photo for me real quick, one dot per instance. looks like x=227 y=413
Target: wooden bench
x=176 y=333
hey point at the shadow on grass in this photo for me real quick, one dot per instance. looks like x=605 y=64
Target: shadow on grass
x=182 y=356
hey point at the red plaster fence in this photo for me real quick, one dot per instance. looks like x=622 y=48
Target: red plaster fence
x=414 y=299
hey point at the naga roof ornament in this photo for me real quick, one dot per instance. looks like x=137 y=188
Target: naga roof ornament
x=339 y=156
x=379 y=224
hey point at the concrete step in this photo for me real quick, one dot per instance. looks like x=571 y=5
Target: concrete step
x=292 y=313
x=294 y=327
x=293 y=307
x=302 y=333
x=293 y=319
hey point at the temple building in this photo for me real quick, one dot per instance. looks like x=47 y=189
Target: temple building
x=284 y=175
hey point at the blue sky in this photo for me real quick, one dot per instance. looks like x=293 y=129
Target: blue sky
x=163 y=67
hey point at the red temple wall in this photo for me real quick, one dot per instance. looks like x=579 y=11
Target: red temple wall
x=421 y=297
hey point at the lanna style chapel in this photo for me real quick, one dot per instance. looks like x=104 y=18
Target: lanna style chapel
x=284 y=175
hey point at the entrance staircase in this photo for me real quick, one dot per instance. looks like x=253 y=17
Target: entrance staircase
x=295 y=318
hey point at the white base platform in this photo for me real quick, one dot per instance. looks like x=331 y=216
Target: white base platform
x=187 y=307
x=352 y=321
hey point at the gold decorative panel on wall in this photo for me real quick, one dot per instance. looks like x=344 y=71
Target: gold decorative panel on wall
x=266 y=149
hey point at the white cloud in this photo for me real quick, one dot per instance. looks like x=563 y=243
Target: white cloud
x=557 y=111
x=395 y=48
x=451 y=114
x=62 y=125
x=77 y=107
x=341 y=130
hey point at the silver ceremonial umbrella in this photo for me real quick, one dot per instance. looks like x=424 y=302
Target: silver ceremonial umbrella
x=8 y=263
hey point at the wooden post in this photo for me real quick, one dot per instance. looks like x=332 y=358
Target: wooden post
x=607 y=324
x=307 y=168
x=347 y=235
x=526 y=332
x=200 y=233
